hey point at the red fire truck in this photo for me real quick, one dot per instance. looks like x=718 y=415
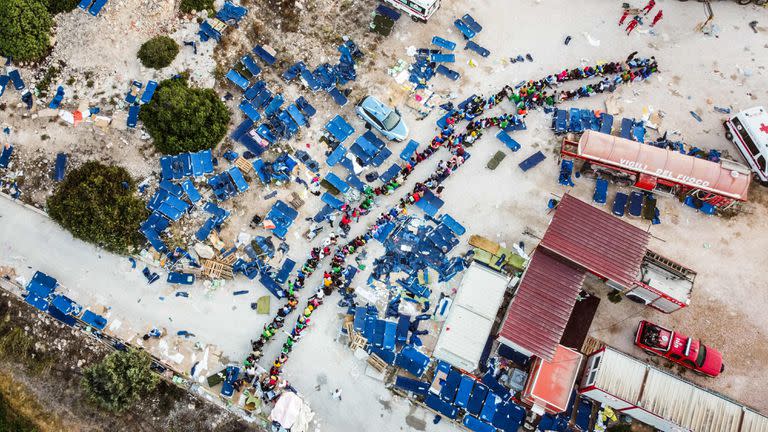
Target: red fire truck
x=650 y=168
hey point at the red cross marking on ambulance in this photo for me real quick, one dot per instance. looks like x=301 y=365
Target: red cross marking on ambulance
x=764 y=127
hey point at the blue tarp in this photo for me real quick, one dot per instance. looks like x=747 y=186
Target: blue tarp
x=390 y=173
x=96 y=321
x=620 y=204
x=412 y=360
x=415 y=386
x=477 y=425
x=61 y=166
x=471 y=45
x=339 y=128
x=5 y=156
x=440 y=406
x=332 y=201
x=336 y=182
x=149 y=92
x=250 y=65
x=237 y=79
x=444 y=43
x=181 y=278
x=282 y=216
x=464 y=29
x=532 y=161
x=508 y=141
x=285 y=271
x=409 y=150
x=305 y=107
x=231 y=12
x=296 y=115
x=238 y=179
x=274 y=105
x=430 y=203
x=96 y=7
x=601 y=191
x=336 y=155
x=133 y=115
x=264 y=55
x=477 y=399
x=490 y=406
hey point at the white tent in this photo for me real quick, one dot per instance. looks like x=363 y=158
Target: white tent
x=292 y=412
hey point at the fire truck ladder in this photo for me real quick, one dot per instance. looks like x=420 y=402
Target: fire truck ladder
x=669 y=265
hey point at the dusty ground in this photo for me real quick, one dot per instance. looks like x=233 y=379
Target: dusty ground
x=698 y=72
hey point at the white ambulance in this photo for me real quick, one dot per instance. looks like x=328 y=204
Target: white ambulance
x=419 y=10
x=749 y=131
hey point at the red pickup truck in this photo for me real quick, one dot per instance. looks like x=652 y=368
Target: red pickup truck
x=679 y=348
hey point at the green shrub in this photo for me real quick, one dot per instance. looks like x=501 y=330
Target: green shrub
x=119 y=380
x=25 y=27
x=158 y=52
x=188 y=6
x=58 y=6
x=184 y=119
x=96 y=203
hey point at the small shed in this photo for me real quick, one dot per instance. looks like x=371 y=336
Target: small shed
x=550 y=383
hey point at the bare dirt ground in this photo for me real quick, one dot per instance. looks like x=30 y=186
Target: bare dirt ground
x=697 y=72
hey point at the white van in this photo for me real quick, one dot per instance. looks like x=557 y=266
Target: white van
x=419 y=10
x=749 y=131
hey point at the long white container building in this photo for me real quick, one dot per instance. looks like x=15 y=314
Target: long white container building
x=661 y=400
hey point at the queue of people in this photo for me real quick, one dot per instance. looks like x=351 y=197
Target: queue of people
x=526 y=96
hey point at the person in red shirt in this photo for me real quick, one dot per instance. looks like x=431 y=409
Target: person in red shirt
x=657 y=18
x=649 y=6
x=632 y=25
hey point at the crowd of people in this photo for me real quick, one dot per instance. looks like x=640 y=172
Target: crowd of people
x=526 y=96
x=637 y=19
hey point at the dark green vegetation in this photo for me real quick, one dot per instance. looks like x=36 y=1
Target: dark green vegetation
x=188 y=6
x=97 y=204
x=184 y=119
x=158 y=52
x=25 y=27
x=120 y=380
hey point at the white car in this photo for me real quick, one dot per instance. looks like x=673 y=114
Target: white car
x=384 y=119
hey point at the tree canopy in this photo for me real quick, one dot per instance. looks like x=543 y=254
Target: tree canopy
x=188 y=6
x=25 y=27
x=58 y=6
x=119 y=380
x=158 y=52
x=97 y=204
x=184 y=119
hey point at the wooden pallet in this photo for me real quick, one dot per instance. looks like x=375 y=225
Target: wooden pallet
x=244 y=165
x=295 y=201
x=591 y=345
x=485 y=244
x=214 y=269
x=377 y=363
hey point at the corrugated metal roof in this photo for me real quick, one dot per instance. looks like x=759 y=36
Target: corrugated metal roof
x=471 y=317
x=599 y=242
x=620 y=375
x=537 y=316
x=687 y=405
x=754 y=422
x=669 y=397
